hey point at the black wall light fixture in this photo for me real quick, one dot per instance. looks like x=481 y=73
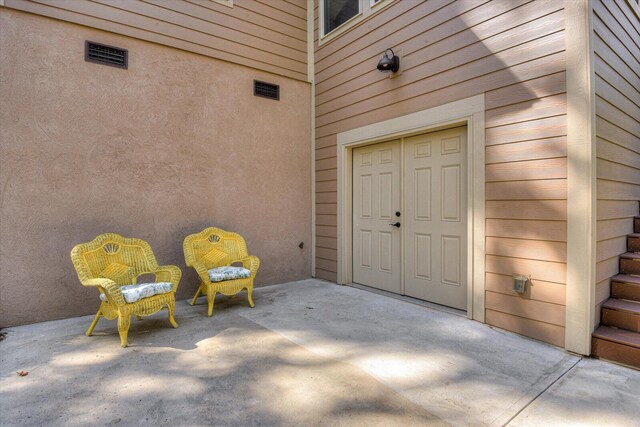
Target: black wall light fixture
x=389 y=63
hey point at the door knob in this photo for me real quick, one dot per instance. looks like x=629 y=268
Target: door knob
x=395 y=224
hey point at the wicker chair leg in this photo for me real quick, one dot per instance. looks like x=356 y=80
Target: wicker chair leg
x=250 y=296
x=94 y=323
x=211 y=297
x=172 y=308
x=124 y=321
x=195 y=297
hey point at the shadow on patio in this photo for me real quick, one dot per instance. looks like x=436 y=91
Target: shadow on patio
x=310 y=353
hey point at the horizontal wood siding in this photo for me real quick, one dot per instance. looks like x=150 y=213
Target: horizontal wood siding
x=616 y=42
x=513 y=52
x=267 y=35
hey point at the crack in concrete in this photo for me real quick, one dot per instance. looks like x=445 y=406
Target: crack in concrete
x=542 y=392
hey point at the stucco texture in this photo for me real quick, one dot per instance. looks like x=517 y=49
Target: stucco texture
x=174 y=144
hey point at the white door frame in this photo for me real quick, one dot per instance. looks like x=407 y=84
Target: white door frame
x=466 y=112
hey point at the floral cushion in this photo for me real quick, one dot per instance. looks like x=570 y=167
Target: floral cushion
x=133 y=293
x=221 y=274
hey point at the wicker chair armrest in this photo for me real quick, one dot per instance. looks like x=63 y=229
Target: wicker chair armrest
x=168 y=273
x=201 y=270
x=251 y=263
x=109 y=288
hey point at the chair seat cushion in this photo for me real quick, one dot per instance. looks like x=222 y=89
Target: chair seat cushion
x=221 y=274
x=134 y=293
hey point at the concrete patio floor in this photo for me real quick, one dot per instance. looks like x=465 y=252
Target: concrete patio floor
x=309 y=353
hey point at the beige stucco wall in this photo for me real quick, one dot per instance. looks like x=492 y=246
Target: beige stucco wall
x=173 y=144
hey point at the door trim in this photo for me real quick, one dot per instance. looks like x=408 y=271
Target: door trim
x=466 y=112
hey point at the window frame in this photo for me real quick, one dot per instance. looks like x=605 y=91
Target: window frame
x=228 y=3
x=339 y=28
x=366 y=8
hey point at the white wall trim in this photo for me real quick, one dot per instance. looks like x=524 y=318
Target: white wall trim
x=581 y=178
x=469 y=112
x=311 y=79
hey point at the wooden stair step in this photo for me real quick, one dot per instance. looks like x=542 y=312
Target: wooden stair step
x=626 y=287
x=633 y=242
x=630 y=255
x=636 y=224
x=631 y=307
x=621 y=314
x=619 y=336
x=630 y=263
x=616 y=345
x=626 y=278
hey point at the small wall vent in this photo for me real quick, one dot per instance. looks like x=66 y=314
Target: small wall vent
x=106 y=55
x=266 y=90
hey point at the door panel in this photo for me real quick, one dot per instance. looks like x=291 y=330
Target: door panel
x=450 y=193
x=451 y=260
x=422 y=194
x=386 y=194
x=376 y=198
x=422 y=256
x=365 y=245
x=365 y=198
x=435 y=229
x=386 y=251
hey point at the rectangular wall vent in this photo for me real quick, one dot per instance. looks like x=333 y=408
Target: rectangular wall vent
x=266 y=90
x=106 y=55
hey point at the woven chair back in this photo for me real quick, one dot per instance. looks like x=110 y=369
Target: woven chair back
x=113 y=257
x=214 y=247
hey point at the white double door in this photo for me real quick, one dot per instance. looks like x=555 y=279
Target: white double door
x=410 y=216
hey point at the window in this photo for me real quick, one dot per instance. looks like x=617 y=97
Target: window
x=337 y=12
x=338 y=16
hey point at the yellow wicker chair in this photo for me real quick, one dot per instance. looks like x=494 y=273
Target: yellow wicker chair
x=211 y=248
x=111 y=261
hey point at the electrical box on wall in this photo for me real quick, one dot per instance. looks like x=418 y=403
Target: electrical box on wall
x=520 y=283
